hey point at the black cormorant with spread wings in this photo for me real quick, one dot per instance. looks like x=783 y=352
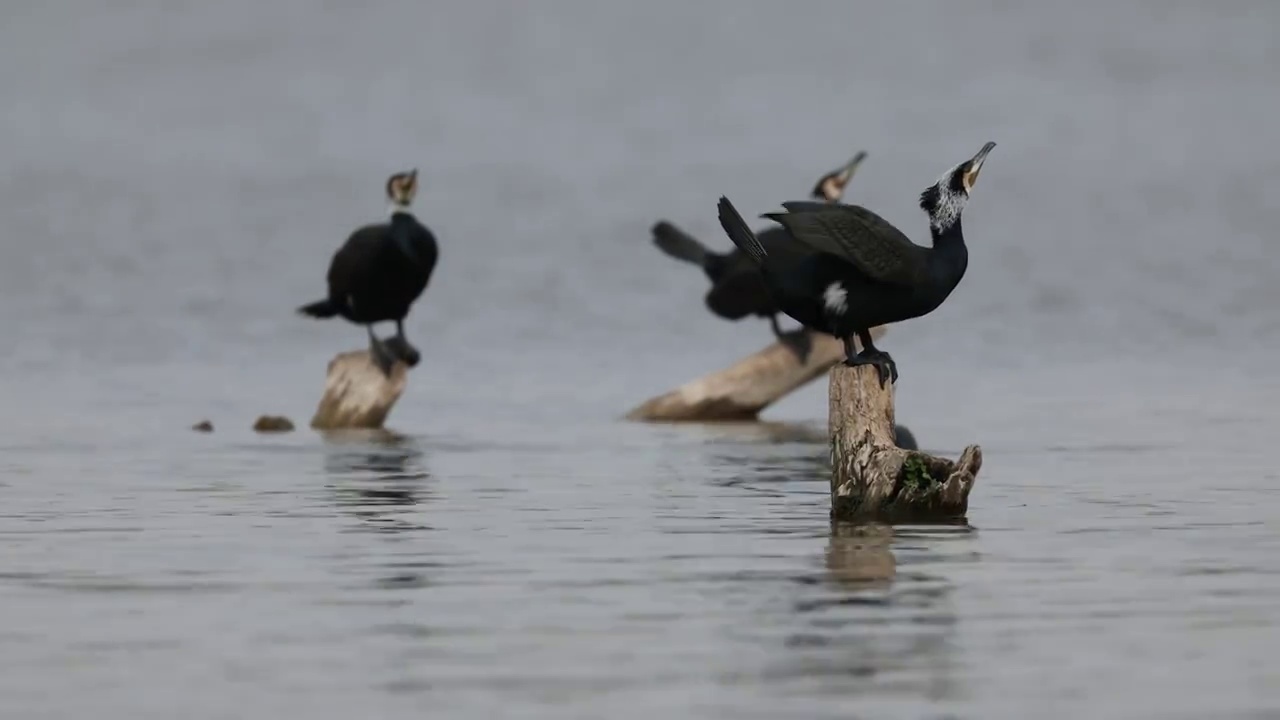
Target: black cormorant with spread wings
x=863 y=271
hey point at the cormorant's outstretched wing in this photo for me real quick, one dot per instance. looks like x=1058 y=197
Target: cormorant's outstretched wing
x=854 y=233
x=739 y=232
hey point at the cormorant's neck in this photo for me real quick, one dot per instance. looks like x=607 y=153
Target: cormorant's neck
x=949 y=234
x=949 y=252
x=400 y=234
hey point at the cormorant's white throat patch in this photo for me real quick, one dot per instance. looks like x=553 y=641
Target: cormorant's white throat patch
x=950 y=203
x=836 y=298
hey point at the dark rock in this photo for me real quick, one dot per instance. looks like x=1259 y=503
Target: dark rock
x=273 y=423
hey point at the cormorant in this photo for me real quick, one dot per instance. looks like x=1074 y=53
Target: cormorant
x=380 y=271
x=737 y=287
x=863 y=271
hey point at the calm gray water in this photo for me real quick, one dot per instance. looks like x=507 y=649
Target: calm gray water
x=177 y=174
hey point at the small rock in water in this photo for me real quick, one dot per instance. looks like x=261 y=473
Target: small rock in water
x=203 y=426
x=273 y=423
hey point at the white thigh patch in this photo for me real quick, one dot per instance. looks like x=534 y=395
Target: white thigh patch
x=836 y=298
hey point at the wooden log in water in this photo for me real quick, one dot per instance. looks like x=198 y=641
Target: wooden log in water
x=742 y=390
x=357 y=394
x=871 y=477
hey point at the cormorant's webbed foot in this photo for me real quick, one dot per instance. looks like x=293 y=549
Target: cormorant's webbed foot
x=399 y=345
x=870 y=355
x=381 y=354
x=798 y=340
x=886 y=368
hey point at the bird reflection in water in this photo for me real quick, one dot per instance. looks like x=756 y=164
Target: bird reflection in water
x=378 y=476
x=380 y=479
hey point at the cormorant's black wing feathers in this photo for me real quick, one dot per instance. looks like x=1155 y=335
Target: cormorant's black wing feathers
x=858 y=235
x=739 y=232
x=351 y=261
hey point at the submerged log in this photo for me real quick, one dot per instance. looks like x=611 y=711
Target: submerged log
x=357 y=394
x=871 y=477
x=742 y=390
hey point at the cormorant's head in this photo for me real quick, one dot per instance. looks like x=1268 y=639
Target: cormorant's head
x=401 y=188
x=830 y=187
x=945 y=199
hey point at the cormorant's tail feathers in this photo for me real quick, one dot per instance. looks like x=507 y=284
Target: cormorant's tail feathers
x=678 y=243
x=321 y=309
x=739 y=232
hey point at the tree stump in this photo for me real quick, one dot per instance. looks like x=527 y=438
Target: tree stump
x=742 y=390
x=357 y=394
x=871 y=477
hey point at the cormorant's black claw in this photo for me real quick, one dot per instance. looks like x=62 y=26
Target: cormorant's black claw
x=411 y=356
x=886 y=368
x=882 y=371
x=887 y=362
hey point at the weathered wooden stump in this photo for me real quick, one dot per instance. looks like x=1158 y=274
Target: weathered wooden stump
x=742 y=390
x=871 y=477
x=357 y=394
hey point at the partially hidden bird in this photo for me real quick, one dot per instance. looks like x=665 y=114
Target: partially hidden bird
x=738 y=289
x=862 y=271
x=380 y=271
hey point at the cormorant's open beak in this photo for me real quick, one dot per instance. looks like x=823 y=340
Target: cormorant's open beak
x=975 y=165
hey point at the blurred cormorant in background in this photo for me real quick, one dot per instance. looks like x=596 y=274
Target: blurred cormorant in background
x=380 y=271
x=737 y=287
